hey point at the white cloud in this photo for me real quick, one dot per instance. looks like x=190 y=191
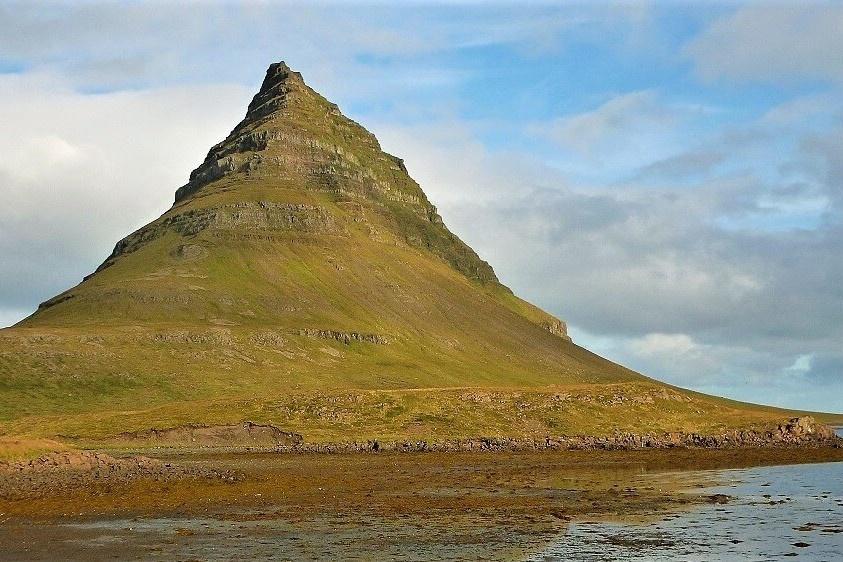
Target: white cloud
x=623 y=134
x=635 y=114
x=773 y=42
x=726 y=369
x=81 y=171
x=347 y=48
x=796 y=111
x=657 y=344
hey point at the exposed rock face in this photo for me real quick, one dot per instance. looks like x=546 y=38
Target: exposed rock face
x=248 y=434
x=80 y=460
x=344 y=337
x=247 y=217
x=557 y=328
x=189 y=252
x=58 y=299
x=71 y=470
x=291 y=133
x=797 y=432
x=804 y=428
x=217 y=337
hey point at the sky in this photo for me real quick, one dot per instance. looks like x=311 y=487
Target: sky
x=667 y=177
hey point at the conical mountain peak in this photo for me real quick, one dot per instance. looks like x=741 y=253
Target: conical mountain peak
x=274 y=90
x=293 y=144
x=296 y=185
x=289 y=129
x=279 y=87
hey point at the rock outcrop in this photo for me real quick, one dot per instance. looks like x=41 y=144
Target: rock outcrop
x=803 y=428
x=65 y=471
x=557 y=327
x=247 y=434
x=82 y=461
x=803 y=431
x=344 y=337
x=257 y=218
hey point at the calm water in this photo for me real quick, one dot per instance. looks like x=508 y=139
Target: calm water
x=776 y=513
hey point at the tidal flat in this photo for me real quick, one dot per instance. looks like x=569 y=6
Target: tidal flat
x=567 y=505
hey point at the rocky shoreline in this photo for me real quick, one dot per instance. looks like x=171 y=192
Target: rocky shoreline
x=57 y=472
x=60 y=471
x=797 y=432
x=250 y=436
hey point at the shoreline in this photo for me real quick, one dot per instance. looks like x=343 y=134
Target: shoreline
x=445 y=503
x=40 y=487
x=123 y=479
x=249 y=436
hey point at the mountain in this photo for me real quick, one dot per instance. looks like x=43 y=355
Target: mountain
x=303 y=278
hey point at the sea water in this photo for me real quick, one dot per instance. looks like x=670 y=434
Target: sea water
x=775 y=513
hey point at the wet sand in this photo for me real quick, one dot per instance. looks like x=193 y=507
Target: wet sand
x=419 y=506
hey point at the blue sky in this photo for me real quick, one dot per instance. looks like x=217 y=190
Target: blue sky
x=664 y=176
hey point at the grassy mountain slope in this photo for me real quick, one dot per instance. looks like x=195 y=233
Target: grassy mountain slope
x=303 y=278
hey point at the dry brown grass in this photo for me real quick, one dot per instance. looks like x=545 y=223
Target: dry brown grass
x=15 y=448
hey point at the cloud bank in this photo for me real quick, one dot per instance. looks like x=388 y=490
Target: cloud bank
x=79 y=172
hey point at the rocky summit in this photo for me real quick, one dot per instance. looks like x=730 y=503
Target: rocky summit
x=303 y=279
